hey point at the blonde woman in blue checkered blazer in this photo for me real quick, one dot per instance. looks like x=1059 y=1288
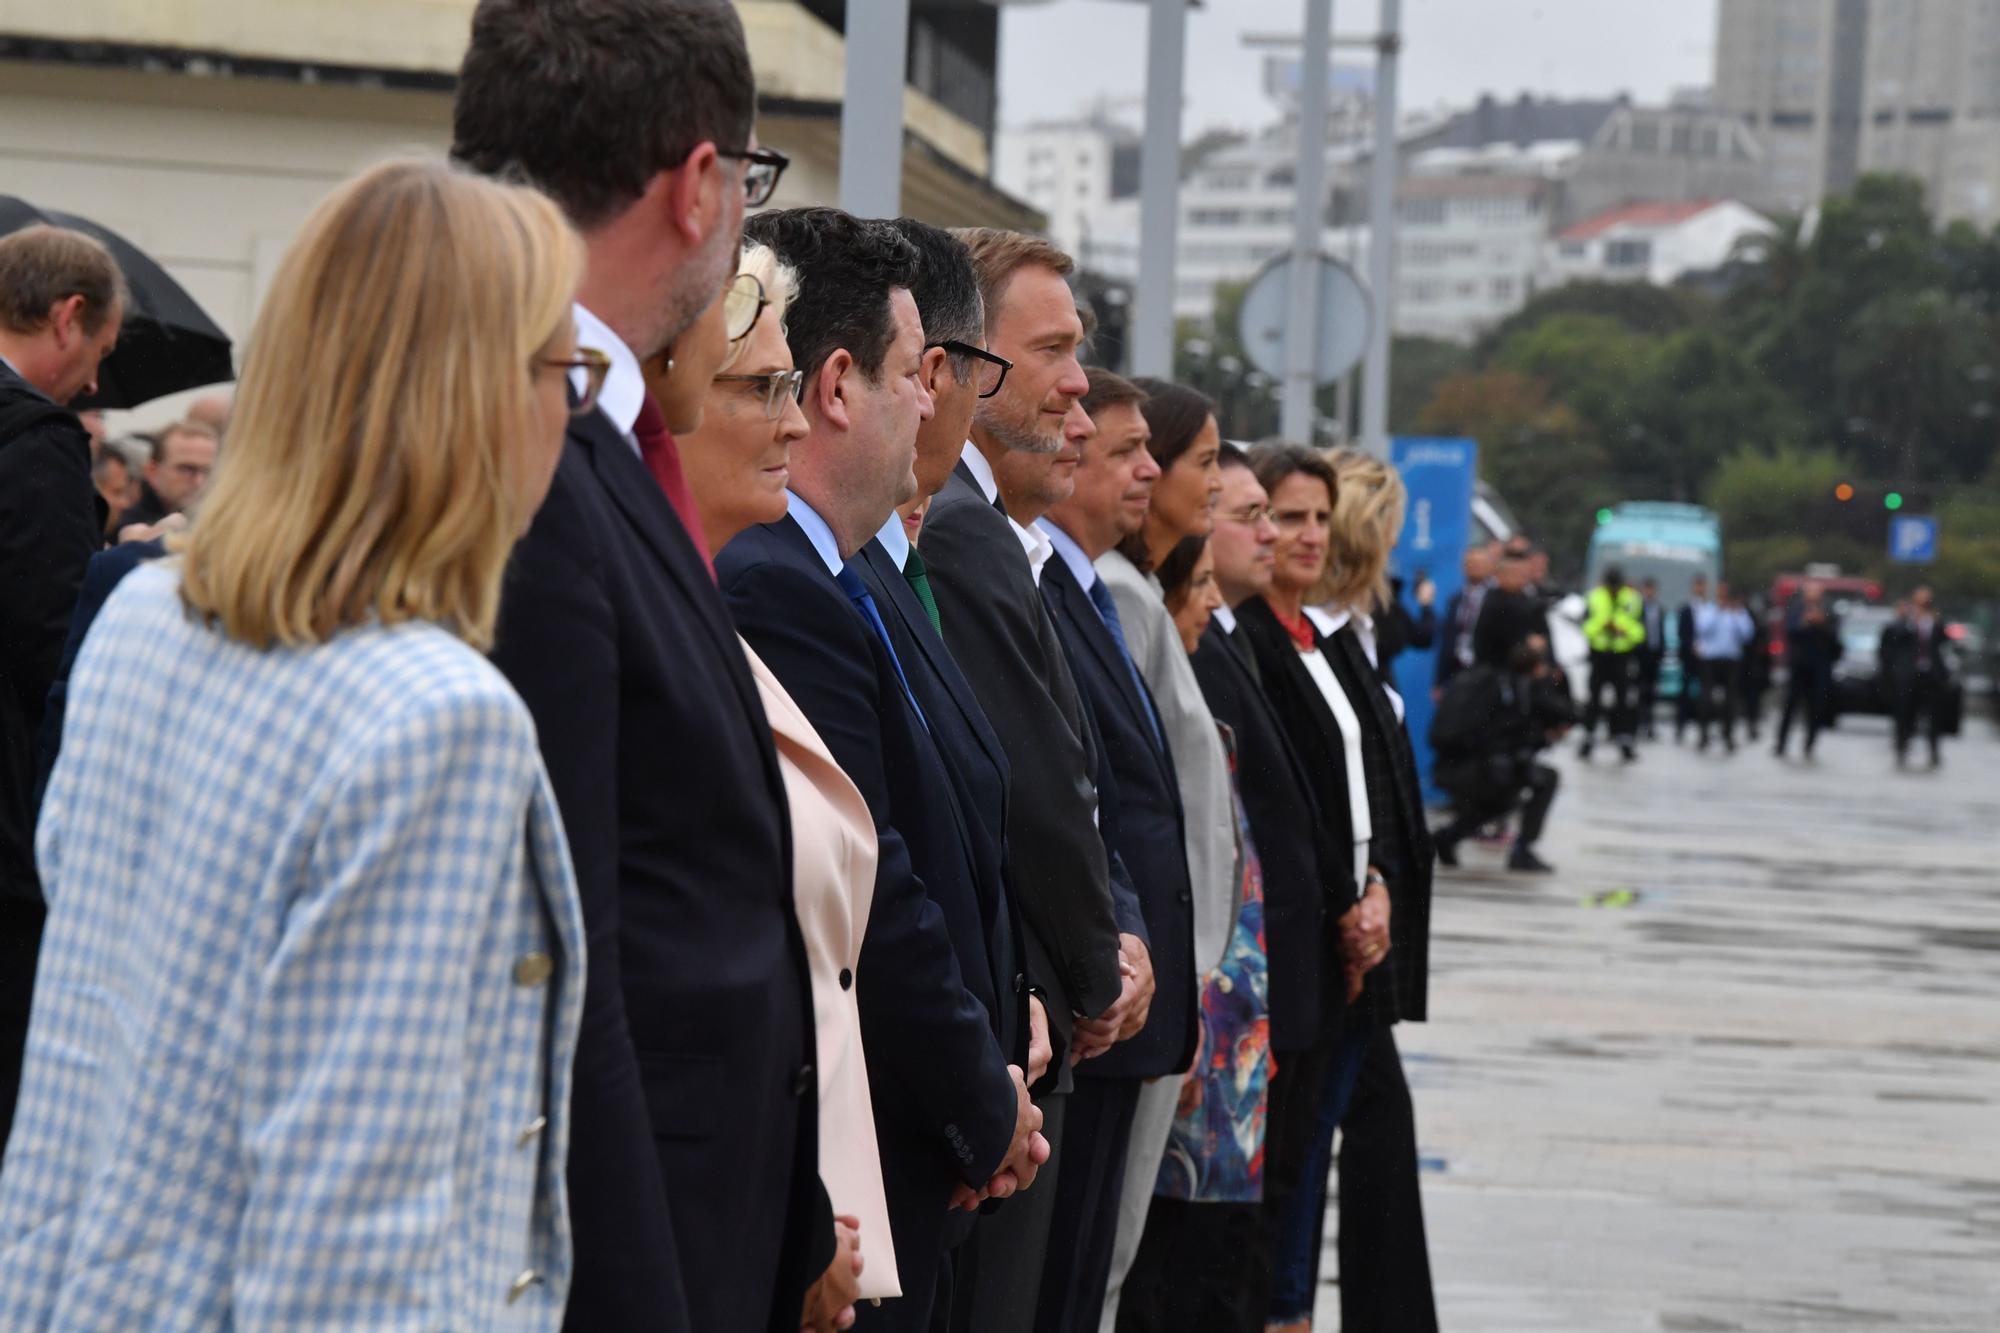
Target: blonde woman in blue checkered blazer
x=300 y=1049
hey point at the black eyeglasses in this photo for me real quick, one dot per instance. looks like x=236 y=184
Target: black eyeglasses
x=760 y=177
x=778 y=385
x=989 y=370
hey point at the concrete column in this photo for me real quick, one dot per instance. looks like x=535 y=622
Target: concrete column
x=1382 y=235
x=871 y=115
x=1295 y=404
x=1152 y=328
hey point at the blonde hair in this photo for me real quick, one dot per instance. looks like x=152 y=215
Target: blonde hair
x=997 y=255
x=1368 y=509
x=373 y=467
x=781 y=283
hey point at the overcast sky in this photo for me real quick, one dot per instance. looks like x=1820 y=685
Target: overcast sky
x=1058 y=56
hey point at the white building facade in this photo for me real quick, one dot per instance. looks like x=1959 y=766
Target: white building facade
x=1658 y=243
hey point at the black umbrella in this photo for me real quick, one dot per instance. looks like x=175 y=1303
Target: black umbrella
x=168 y=342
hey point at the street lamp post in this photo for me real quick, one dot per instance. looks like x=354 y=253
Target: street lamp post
x=1152 y=335
x=1382 y=234
x=871 y=113
x=1302 y=313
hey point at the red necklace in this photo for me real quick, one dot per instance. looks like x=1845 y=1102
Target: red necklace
x=1301 y=629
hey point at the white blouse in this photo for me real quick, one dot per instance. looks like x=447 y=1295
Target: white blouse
x=1350 y=735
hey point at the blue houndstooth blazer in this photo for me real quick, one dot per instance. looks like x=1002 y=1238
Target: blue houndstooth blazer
x=308 y=995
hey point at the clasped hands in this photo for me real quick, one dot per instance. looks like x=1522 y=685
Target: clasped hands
x=1364 y=936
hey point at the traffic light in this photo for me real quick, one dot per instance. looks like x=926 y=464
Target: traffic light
x=1843 y=492
x=1603 y=516
x=1893 y=500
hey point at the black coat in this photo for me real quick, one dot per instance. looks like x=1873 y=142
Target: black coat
x=49 y=529
x=1001 y=636
x=693 y=1177
x=1401 y=847
x=944 y=1102
x=1298 y=861
x=1448 y=664
x=1902 y=647
x=1145 y=825
x=149 y=510
x=1505 y=620
x=977 y=763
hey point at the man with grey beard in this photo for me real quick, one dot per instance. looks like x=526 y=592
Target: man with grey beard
x=984 y=564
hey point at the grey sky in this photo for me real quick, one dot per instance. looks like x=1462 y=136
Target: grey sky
x=1058 y=56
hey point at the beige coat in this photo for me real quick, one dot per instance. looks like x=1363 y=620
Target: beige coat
x=833 y=886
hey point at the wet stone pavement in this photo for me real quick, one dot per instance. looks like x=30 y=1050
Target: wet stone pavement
x=1737 y=1065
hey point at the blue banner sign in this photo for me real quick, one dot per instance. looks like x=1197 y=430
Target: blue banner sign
x=1439 y=475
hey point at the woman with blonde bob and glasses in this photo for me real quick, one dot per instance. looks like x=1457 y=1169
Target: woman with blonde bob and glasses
x=310 y=987
x=737 y=464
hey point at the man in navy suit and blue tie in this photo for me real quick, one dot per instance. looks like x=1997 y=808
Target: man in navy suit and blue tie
x=1140 y=800
x=954 y=1121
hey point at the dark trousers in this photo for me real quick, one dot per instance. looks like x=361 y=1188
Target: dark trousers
x=1805 y=693
x=997 y=1274
x=1718 y=698
x=1611 y=673
x=1687 y=708
x=1078 y=1267
x=1649 y=690
x=1191 y=1272
x=1385 y=1265
x=1532 y=787
x=1298 y=1239
x=1917 y=696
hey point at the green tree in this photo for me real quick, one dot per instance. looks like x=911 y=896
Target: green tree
x=1640 y=307
x=1534 y=449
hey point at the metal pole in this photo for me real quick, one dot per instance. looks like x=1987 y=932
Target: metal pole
x=1302 y=318
x=1382 y=236
x=1152 y=335
x=871 y=116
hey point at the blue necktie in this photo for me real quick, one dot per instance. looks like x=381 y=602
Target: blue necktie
x=857 y=592
x=1107 y=611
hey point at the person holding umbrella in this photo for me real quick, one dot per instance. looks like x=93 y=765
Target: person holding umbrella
x=62 y=301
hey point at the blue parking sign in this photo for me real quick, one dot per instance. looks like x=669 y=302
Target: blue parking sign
x=1913 y=539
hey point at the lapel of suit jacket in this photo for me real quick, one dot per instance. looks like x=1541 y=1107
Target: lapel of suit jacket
x=637 y=494
x=917 y=628
x=1089 y=627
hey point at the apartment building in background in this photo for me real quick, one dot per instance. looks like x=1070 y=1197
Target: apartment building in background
x=1834 y=89
x=1660 y=243
x=1082 y=173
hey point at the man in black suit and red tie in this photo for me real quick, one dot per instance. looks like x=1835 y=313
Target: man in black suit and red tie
x=694 y=1194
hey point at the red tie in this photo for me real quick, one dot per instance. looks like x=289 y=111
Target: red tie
x=663 y=459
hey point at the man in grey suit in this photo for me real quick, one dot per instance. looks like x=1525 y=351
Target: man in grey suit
x=983 y=567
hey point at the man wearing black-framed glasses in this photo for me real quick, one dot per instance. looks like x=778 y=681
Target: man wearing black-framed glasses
x=693 y=1187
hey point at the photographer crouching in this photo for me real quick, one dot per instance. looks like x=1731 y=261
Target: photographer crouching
x=1491 y=724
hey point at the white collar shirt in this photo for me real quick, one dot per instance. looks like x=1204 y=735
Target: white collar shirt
x=817 y=532
x=624 y=391
x=895 y=539
x=1225 y=617
x=1071 y=554
x=1033 y=542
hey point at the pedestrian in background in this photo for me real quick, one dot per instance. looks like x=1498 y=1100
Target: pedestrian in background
x=62 y=301
x=1812 y=646
x=1652 y=656
x=1616 y=630
x=1915 y=665
x=1461 y=617
x=300 y=826
x=1687 y=708
x=1722 y=630
x=183 y=457
x=1756 y=668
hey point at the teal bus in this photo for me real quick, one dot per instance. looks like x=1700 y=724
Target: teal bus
x=1670 y=543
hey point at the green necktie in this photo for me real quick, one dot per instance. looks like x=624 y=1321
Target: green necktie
x=920 y=584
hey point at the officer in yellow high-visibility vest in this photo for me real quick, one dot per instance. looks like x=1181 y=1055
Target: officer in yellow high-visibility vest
x=1615 y=627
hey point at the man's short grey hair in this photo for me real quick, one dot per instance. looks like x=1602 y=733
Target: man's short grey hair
x=41 y=266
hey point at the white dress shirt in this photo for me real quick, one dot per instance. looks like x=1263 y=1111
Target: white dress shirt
x=1226 y=617
x=1072 y=555
x=895 y=539
x=624 y=391
x=1321 y=672
x=817 y=532
x=1033 y=542
x=1329 y=623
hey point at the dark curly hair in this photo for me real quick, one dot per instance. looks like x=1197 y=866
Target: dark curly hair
x=846 y=268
